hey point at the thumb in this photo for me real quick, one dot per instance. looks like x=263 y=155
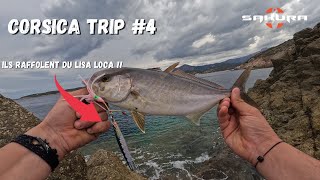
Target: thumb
x=237 y=102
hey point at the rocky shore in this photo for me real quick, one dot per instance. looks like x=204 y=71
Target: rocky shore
x=263 y=59
x=289 y=98
x=15 y=120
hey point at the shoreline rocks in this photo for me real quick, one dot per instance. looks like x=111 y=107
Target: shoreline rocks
x=264 y=58
x=106 y=165
x=289 y=98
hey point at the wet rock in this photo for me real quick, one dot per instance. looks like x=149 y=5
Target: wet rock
x=106 y=165
x=73 y=167
x=226 y=165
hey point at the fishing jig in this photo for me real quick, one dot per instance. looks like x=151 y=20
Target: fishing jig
x=92 y=97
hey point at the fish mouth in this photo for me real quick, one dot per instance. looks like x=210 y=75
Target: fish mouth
x=93 y=82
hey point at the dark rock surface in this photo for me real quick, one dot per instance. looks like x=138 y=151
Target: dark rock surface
x=106 y=165
x=289 y=98
x=226 y=165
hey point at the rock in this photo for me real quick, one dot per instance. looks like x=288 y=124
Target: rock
x=264 y=58
x=106 y=165
x=73 y=167
x=226 y=165
x=15 y=120
x=289 y=98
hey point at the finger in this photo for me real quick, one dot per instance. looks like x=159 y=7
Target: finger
x=224 y=102
x=226 y=99
x=223 y=117
x=99 y=127
x=237 y=102
x=86 y=124
x=232 y=127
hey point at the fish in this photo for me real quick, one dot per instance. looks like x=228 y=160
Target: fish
x=171 y=92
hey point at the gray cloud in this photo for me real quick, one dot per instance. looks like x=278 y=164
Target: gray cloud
x=180 y=24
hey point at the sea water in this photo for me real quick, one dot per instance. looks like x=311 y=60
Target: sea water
x=172 y=147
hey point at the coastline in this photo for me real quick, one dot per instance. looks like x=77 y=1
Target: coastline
x=46 y=93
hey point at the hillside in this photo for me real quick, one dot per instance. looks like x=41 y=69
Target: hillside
x=226 y=65
x=264 y=59
x=48 y=93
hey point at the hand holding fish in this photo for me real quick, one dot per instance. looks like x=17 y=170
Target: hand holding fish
x=249 y=135
x=244 y=128
x=64 y=131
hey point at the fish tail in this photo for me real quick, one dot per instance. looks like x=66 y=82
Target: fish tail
x=242 y=80
x=241 y=84
x=123 y=146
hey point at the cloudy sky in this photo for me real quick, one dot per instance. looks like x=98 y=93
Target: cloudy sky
x=193 y=32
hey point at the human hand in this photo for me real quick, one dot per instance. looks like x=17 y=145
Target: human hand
x=244 y=128
x=63 y=129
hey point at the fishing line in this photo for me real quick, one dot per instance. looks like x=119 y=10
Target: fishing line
x=118 y=134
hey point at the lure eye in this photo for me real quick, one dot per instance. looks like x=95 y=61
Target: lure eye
x=106 y=78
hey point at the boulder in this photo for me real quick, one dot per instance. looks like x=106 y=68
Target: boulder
x=106 y=165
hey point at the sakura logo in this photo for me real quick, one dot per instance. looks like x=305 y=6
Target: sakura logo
x=275 y=18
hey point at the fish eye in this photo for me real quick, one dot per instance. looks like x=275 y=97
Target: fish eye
x=106 y=78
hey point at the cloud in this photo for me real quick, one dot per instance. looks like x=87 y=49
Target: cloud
x=191 y=31
x=207 y=39
x=186 y=29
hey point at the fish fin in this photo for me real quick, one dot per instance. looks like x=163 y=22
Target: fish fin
x=195 y=117
x=248 y=100
x=138 y=118
x=135 y=93
x=172 y=67
x=242 y=79
x=154 y=69
x=241 y=84
x=183 y=74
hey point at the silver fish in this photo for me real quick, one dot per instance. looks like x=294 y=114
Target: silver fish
x=154 y=92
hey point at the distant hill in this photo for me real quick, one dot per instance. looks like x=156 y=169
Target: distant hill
x=264 y=58
x=48 y=93
x=226 y=65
